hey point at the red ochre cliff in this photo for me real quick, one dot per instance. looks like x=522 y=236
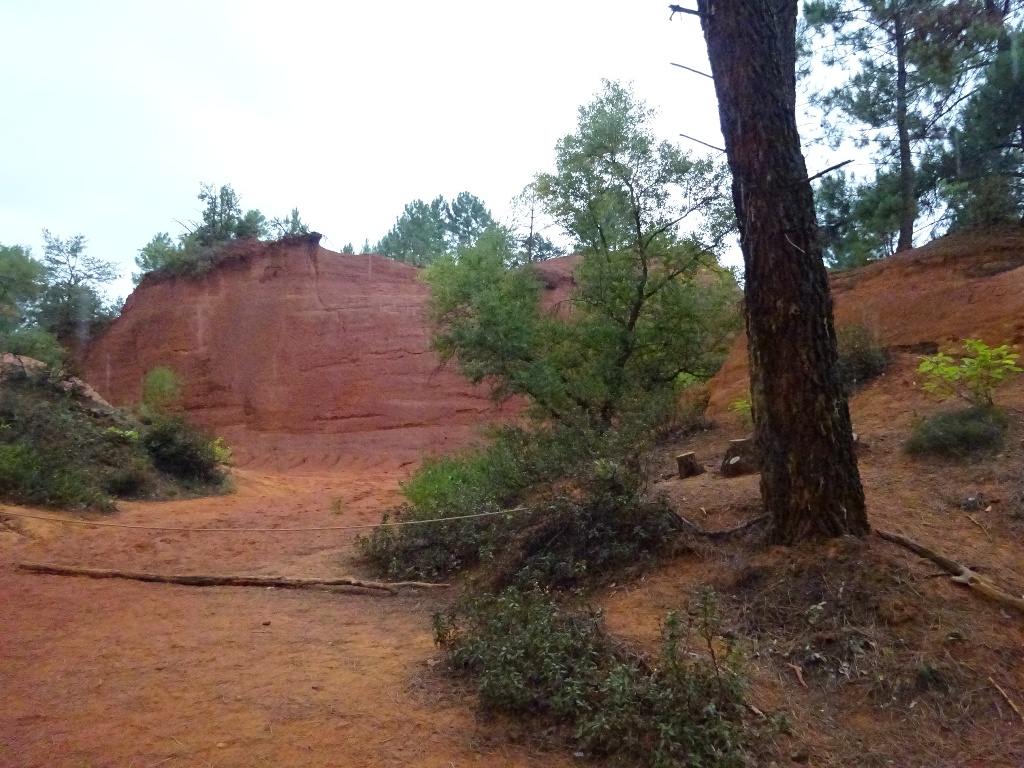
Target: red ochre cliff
x=296 y=354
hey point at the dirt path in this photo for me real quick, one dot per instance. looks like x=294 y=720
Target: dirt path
x=114 y=673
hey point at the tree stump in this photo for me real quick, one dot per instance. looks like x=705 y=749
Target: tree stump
x=740 y=459
x=688 y=465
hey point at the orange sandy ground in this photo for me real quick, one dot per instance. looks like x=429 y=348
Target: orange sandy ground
x=120 y=673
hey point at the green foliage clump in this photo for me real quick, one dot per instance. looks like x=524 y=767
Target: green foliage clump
x=859 y=219
x=744 y=410
x=181 y=450
x=56 y=453
x=61 y=451
x=529 y=657
x=71 y=306
x=599 y=525
x=22 y=283
x=862 y=357
x=477 y=481
x=35 y=342
x=161 y=388
x=958 y=434
x=574 y=517
x=32 y=476
x=975 y=378
x=980 y=428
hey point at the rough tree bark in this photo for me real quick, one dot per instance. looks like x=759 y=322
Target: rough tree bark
x=810 y=485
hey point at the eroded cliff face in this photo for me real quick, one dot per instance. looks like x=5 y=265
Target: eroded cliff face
x=958 y=287
x=294 y=353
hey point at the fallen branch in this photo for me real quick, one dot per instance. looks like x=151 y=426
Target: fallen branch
x=1007 y=699
x=226 y=581
x=698 y=530
x=961 y=574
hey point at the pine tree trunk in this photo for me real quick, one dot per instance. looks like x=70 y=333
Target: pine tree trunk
x=809 y=480
x=908 y=196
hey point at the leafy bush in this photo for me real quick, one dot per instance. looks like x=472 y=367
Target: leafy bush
x=161 y=387
x=30 y=476
x=60 y=452
x=975 y=378
x=599 y=524
x=529 y=657
x=182 y=450
x=958 y=434
x=576 y=518
x=743 y=409
x=476 y=481
x=861 y=356
x=35 y=343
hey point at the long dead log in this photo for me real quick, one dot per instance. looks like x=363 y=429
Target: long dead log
x=961 y=574
x=225 y=580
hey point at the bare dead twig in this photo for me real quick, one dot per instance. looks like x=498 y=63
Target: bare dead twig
x=983 y=528
x=1008 y=699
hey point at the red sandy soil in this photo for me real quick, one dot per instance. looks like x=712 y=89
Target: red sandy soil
x=118 y=673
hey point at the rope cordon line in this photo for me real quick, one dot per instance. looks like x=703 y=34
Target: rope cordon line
x=67 y=521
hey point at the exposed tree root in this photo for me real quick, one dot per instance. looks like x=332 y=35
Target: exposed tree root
x=697 y=530
x=961 y=574
x=226 y=581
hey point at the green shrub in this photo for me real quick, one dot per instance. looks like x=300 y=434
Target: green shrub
x=528 y=657
x=743 y=409
x=958 y=434
x=597 y=526
x=182 y=450
x=35 y=343
x=975 y=378
x=575 y=518
x=476 y=481
x=131 y=480
x=29 y=476
x=58 y=451
x=862 y=357
x=160 y=389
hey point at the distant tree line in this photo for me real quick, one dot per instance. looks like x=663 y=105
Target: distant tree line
x=426 y=232
x=935 y=90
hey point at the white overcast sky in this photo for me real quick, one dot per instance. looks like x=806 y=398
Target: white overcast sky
x=114 y=112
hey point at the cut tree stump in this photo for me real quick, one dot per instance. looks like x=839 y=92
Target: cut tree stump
x=740 y=459
x=226 y=581
x=688 y=465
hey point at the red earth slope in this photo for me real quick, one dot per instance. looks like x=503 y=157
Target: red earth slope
x=954 y=288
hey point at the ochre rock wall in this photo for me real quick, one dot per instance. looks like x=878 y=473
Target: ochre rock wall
x=281 y=343
x=954 y=288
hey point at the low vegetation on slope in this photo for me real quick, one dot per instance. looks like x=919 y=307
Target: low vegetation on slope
x=59 y=448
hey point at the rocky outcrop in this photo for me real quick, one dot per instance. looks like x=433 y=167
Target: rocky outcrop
x=292 y=348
